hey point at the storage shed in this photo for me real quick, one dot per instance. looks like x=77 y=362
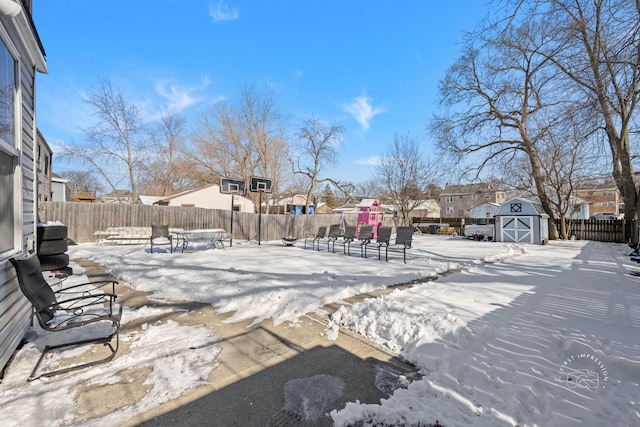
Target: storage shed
x=521 y=221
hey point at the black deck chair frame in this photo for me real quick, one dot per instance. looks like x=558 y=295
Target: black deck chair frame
x=404 y=235
x=71 y=307
x=348 y=238
x=365 y=237
x=322 y=231
x=334 y=234
x=383 y=239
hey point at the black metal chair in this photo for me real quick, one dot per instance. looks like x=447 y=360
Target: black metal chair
x=71 y=307
x=322 y=231
x=160 y=235
x=404 y=235
x=348 y=238
x=364 y=237
x=382 y=239
x=334 y=234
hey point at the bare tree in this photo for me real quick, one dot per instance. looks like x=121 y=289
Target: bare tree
x=568 y=159
x=240 y=140
x=165 y=173
x=595 y=44
x=82 y=181
x=317 y=148
x=497 y=93
x=113 y=142
x=404 y=174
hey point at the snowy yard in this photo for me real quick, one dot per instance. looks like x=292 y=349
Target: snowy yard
x=516 y=335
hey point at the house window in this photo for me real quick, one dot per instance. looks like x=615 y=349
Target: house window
x=449 y=199
x=474 y=196
x=449 y=210
x=7 y=97
x=8 y=153
x=460 y=213
x=7 y=164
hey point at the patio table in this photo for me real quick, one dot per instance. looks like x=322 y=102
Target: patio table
x=209 y=236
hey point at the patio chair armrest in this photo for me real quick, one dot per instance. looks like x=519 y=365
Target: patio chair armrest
x=70 y=290
x=84 y=301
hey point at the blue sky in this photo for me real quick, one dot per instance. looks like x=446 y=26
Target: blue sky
x=370 y=66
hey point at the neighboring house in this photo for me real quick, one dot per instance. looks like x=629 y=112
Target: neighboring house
x=427 y=209
x=457 y=200
x=295 y=204
x=424 y=209
x=149 y=200
x=21 y=57
x=486 y=210
x=580 y=209
x=208 y=197
x=83 y=196
x=60 y=191
x=118 y=196
x=602 y=198
x=43 y=166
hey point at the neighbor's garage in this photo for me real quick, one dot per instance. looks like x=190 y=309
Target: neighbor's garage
x=521 y=221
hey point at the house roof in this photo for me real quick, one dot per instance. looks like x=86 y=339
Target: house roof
x=364 y=203
x=468 y=188
x=195 y=190
x=149 y=200
x=497 y=205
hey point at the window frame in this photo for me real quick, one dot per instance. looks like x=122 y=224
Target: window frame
x=12 y=149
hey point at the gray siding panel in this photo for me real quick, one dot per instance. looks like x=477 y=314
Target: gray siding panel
x=14 y=308
x=15 y=313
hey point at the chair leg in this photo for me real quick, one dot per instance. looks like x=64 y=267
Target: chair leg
x=104 y=340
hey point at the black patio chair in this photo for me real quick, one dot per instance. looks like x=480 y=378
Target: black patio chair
x=365 y=236
x=348 y=238
x=334 y=234
x=160 y=235
x=404 y=235
x=322 y=231
x=71 y=307
x=382 y=240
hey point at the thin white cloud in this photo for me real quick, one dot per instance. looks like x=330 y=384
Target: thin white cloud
x=362 y=110
x=221 y=12
x=178 y=97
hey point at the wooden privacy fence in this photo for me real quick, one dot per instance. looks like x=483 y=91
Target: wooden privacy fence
x=600 y=230
x=84 y=219
x=618 y=230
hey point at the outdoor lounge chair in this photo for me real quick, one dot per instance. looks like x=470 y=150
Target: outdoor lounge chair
x=75 y=306
x=383 y=238
x=404 y=236
x=365 y=236
x=334 y=234
x=160 y=236
x=322 y=231
x=348 y=238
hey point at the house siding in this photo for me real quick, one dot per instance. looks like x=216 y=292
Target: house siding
x=15 y=310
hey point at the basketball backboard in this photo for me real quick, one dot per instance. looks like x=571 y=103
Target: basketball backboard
x=233 y=186
x=260 y=184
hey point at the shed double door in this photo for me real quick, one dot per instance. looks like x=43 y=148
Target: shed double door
x=516 y=229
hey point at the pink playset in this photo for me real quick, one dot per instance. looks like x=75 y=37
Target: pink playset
x=369 y=214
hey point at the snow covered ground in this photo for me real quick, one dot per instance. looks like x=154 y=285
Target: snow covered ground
x=516 y=335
